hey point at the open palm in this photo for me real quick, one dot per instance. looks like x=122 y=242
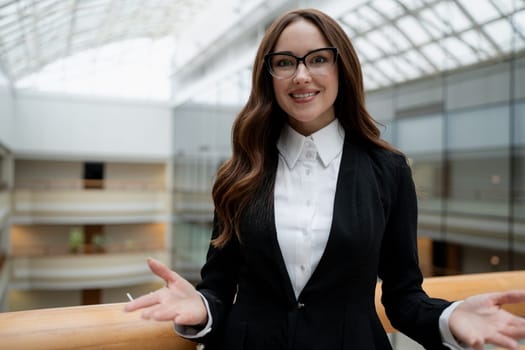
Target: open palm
x=480 y=320
x=178 y=301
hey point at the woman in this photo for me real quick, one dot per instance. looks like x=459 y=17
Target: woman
x=310 y=209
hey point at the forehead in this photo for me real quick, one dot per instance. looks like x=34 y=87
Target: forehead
x=300 y=37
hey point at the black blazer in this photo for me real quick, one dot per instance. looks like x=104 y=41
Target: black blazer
x=373 y=234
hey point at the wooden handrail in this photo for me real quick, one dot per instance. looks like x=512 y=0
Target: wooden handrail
x=461 y=286
x=105 y=326
x=108 y=326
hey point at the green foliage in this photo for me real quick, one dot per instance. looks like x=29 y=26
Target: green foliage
x=76 y=239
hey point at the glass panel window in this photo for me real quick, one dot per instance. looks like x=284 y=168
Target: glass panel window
x=486 y=127
x=412 y=28
x=365 y=48
x=477 y=205
x=428 y=174
x=459 y=50
x=452 y=17
x=421 y=135
x=481 y=10
x=502 y=34
x=388 y=8
x=483 y=48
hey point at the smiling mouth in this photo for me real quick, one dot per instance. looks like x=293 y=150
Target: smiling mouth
x=305 y=95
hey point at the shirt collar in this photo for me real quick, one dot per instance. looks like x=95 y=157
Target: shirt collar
x=328 y=141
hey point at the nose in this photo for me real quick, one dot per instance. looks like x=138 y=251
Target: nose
x=302 y=74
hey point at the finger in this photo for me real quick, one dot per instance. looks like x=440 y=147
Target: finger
x=162 y=270
x=152 y=312
x=515 y=328
x=142 y=302
x=510 y=297
x=185 y=319
x=164 y=313
x=478 y=346
x=502 y=340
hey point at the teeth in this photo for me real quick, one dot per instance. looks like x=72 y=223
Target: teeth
x=308 y=94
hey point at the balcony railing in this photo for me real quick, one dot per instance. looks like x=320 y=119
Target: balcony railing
x=76 y=184
x=82 y=271
x=108 y=326
x=99 y=206
x=129 y=246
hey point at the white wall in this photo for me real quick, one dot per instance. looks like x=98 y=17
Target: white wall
x=6 y=113
x=102 y=129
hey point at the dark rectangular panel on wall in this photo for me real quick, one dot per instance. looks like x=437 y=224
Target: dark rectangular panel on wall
x=93 y=175
x=91 y=296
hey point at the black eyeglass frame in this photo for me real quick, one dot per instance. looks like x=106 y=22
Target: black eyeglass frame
x=268 y=59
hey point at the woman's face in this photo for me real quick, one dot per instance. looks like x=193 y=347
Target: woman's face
x=307 y=98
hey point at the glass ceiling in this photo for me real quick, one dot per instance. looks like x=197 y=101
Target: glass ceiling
x=109 y=47
x=399 y=40
x=129 y=47
x=35 y=33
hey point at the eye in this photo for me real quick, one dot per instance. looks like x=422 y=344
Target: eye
x=283 y=62
x=318 y=59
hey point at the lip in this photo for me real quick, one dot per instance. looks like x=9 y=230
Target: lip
x=303 y=96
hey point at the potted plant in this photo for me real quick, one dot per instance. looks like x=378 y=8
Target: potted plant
x=76 y=240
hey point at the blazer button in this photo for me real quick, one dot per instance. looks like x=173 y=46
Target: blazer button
x=300 y=306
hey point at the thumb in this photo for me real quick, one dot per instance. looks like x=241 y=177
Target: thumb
x=509 y=297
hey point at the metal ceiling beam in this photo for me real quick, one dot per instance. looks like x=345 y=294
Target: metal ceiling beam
x=71 y=28
x=478 y=28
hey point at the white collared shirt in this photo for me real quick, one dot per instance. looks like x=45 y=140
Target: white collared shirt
x=304 y=195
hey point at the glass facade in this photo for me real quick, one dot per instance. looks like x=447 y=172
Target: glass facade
x=463 y=135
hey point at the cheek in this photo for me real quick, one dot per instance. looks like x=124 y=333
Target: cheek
x=279 y=91
x=334 y=87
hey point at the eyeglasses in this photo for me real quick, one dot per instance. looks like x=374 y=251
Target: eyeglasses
x=283 y=65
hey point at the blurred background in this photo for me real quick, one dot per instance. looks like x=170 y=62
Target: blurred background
x=115 y=114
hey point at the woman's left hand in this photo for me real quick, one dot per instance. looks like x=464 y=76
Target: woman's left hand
x=480 y=320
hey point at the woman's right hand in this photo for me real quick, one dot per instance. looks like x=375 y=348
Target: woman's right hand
x=178 y=301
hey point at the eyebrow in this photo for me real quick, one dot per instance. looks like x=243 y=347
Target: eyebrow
x=285 y=52
x=288 y=52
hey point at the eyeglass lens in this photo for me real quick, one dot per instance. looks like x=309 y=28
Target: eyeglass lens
x=318 y=62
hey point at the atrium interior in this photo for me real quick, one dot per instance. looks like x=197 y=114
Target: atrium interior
x=116 y=114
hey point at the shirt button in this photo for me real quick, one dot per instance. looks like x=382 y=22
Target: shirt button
x=308 y=203
x=303 y=267
x=310 y=155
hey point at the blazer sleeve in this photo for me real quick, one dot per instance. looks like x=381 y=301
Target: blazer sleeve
x=219 y=281
x=408 y=307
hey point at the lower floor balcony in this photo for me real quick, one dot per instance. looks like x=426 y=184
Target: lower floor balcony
x=78 y=271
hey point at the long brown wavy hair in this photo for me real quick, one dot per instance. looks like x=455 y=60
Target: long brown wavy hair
x=259 y=123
